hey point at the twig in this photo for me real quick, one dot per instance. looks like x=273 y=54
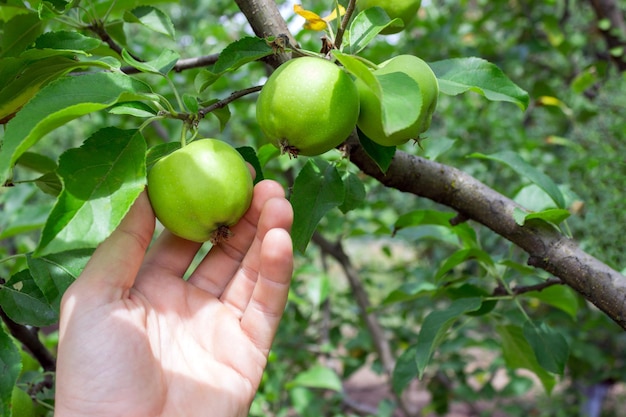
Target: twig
x=344 y=23
x=29 y=338
x=182 y=64
x=376 y=331
x=224 y=102
x=97 y=27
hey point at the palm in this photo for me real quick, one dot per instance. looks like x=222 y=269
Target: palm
x=169 y=347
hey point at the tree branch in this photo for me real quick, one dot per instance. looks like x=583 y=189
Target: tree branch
x=29 y=338
x=548 y=249
x=183 y=64
x=376 y=331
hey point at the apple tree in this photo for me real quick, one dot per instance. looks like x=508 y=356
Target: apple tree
x=432 y=229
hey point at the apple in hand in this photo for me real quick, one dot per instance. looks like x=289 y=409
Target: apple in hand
x=370 y=118
x=307 y=106
x=200 y=190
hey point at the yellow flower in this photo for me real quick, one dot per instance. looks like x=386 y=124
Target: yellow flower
x=313 y=20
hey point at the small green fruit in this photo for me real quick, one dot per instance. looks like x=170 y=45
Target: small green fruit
x=307 y=106
x=403 y=9
x=200 y=190
x=370 y=118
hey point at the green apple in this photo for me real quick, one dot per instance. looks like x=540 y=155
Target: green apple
x=403 y=9
x=200 y=190
x=370 y=118
x=307 y=106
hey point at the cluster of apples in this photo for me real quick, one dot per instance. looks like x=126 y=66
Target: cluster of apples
x=308 y=106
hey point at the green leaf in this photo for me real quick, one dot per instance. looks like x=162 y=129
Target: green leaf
x=22 y=300
x=435 y=327
x=401 y=101
x=459 y=75
x=67 y=41
x=354 y=192
x=191 y=103
x=19 y=33
x=382 y=155
x=399 y=94
x=37 y=162
x=559 y=296
x=101 y=180
x=59 y=102
x=10 y=367
x=317 y=189
x=205 y=79
x=466 y=235
x=9 y=12
x=30 y=77
x=366 y=25
x=523 y=168
x=405 y=370
x=249 y=155
x=133 y=108
x=409 y=291
x=53 y=274
x=161 y=65
x=241 y=52
x=552 y=216
x=159 y=151
x=518 y=354
x=461 y=256
x=152 y=18
x=355 y=66
x=550 y=347
x=317 y=377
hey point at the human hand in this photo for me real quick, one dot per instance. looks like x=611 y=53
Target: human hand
x=138 y=340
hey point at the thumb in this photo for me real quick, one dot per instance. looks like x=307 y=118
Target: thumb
x=113 y=267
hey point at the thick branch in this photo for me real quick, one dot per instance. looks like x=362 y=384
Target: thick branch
x=548 y=249
x=265 y=20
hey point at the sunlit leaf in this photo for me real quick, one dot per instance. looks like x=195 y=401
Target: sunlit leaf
x=459 y=75
x=101 y=180
x=152 y=18
x=59 y=102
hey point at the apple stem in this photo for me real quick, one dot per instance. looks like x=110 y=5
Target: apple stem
x=220 y=234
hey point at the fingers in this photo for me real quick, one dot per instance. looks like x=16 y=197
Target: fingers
x=262 y=314
x=171 y=254
x=268 y=210
x=112 y=269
